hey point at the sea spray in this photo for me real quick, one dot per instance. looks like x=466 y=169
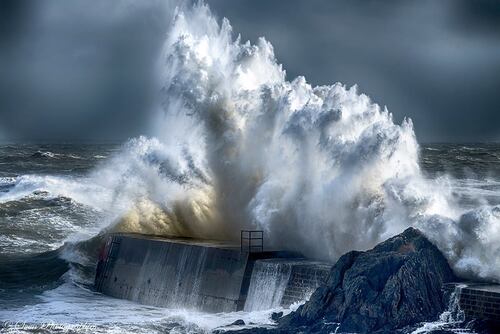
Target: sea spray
x=278 y=155
x=321 y=169
x=236 y=145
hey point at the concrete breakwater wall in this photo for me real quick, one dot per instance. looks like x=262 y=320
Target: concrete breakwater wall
x=172 y=272
x=481 y=301
x=285 y=281
x=305 y=278
x=206 y=275
x=478 y=301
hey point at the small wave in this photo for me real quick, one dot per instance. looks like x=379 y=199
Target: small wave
x=47 y=268
x=38 y=270
x=6 y=183
x=7 y=180
x=431 y=149
x=51 y=155
x=44 y=154
x=78 y=189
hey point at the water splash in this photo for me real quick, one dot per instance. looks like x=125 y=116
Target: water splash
x=320 y=168
x=323 y=170
x=451 y=320
x=267 y=285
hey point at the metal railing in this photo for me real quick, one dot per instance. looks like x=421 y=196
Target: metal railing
x=252 y=241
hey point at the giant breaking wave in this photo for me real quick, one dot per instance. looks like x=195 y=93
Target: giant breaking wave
x=320 y=169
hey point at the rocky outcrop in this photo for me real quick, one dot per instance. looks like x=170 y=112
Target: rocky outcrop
x=389 y=288
x=396 y=284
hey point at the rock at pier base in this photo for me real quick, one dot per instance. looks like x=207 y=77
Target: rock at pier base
x=387 y=289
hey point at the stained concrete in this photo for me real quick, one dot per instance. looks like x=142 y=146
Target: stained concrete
x=211 y=276
x=305 y=278
x=283 y=281
x=481 y=301
x=174 y=272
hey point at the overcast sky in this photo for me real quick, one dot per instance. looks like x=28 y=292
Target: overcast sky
x=83 y=70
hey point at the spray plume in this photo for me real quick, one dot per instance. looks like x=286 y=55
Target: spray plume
x=319 y=169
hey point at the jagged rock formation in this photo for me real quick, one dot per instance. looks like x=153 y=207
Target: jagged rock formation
x=391 y=287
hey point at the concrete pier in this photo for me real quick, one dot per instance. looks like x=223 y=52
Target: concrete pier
x=478 y=301
x=212 y=276
x=481 y=301
x=305 y=278
x=282 y=282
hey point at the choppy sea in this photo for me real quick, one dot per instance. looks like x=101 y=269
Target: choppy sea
x=46 y=266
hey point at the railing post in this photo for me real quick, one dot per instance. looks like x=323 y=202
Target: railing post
x=249 y=236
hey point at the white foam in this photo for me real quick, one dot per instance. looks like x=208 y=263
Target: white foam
x=235 y=145
x=451 y=320
x=321 y=169
x=69 y=304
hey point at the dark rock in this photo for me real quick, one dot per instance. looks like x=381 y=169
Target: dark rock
x=222 y=329
x=396 y=284
x=37 y=155
x=276 y=316
x=238 y=322
x=482 y=326
x=253 y=331
x=318 y=328
x=173 y=325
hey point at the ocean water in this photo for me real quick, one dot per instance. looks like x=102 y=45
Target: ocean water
x=40 y=226
x=234 y=144
x=46 y=267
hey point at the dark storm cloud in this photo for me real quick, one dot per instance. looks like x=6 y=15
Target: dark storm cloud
x=84 y=69
x=78 y=69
